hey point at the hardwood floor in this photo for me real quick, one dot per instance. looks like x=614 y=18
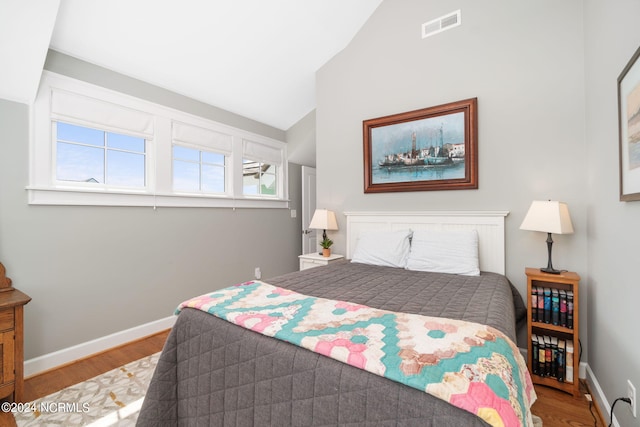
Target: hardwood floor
x=556 y=408
x=56 y=379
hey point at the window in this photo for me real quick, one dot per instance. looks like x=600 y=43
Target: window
x=98 y=157
x=198 y=171
x=260 y=170
x=94 y=146
x=259 y=179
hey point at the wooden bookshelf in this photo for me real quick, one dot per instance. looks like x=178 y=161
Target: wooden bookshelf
x=567 y=281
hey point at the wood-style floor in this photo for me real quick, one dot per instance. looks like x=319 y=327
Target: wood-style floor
x=556 y=408
x=56 y=379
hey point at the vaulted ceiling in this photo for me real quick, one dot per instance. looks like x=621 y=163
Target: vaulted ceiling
x=256 y=58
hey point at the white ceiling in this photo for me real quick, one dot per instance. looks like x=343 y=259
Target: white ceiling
x=25 y=31
x=256 y=58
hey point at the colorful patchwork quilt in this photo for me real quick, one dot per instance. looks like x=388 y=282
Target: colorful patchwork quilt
x=472 y=366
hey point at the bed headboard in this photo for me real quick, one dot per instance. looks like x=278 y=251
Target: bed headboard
x=489 y=224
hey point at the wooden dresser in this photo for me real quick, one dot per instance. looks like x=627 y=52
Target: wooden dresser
x=12 y=344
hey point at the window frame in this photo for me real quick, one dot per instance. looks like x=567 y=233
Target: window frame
x=259 y=194
x=45 y=189
x=106 y=150
x=200 y=163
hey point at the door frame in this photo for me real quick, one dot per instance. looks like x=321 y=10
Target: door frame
x=309 y=237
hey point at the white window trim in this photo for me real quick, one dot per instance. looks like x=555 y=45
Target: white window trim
x=43 y=189
x=201 y=148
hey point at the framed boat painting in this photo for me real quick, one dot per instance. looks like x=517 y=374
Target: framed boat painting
x=435 y=148
x=629 y=129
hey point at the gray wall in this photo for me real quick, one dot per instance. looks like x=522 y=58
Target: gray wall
x=522 y=60
x=612 y=35
x=93 y=271
x=545 y=77
x=81 y=70
x=301 y=141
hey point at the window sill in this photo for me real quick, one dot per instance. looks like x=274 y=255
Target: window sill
x=86 y=197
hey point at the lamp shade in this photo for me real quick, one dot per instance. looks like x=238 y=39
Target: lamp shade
x=323 y=219
x=549 y=217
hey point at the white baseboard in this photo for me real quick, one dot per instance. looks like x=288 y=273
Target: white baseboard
x=66 y=355
x=598 y=395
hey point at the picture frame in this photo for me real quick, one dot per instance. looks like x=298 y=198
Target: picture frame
x=434 y=148
x=629 y=129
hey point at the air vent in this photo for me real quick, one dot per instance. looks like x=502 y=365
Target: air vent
x=441 y=24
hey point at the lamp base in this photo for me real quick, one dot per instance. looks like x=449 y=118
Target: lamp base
x=549 y=268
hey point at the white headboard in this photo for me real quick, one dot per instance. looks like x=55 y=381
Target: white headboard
x=489 y=224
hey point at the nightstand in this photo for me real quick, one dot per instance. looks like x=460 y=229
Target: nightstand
x=553 y=329
x=12 y=344
x=316 y=260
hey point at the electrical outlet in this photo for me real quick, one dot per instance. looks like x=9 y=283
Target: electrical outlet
x=631 y=394
x=258 y=273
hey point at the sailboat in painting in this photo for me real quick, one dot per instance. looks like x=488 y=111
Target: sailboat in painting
x=434 y=155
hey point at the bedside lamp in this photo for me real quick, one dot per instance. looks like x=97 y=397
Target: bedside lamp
x=548 y=217
x=323 y=220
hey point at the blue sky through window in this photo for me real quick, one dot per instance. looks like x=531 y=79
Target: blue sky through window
x=197 y=170
x=96 y=156
x=100 y=157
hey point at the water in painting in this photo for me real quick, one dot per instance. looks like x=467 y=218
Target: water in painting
x=421 y=150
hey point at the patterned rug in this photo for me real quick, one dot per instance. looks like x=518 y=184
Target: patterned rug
x=111 y=399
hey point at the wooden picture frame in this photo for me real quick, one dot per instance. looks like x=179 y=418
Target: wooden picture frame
x=629 y=129
x=435 y=148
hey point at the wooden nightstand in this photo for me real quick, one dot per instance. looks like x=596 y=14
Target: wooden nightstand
x=12 y=344
x=316 y=260
x=552 y=317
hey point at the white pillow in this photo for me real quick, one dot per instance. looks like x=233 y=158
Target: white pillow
x=445 y=251
x=388 y=248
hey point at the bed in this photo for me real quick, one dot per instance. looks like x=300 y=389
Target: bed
x=214 y=372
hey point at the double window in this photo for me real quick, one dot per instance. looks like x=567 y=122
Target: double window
x=98 y=147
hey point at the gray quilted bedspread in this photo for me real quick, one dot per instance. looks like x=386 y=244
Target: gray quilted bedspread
x=214 y=373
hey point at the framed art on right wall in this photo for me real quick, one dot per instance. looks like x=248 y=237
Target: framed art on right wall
x=629 y=129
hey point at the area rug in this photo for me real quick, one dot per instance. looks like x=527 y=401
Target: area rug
x=113 y=398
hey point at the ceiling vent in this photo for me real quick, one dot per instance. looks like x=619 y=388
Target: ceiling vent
x=441 y=24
